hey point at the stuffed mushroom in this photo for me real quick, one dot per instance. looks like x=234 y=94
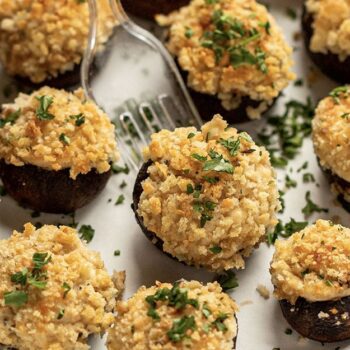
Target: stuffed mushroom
x=207 y=197
x=54 y=292
x=326 y=27
x=45 y=40
x=232 y=54
x=179 y=316
x=56 y=150
x=149 y=9
x=330 y=134
x=310 y=273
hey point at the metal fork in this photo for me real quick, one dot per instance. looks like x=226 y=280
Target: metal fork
x=137 y=83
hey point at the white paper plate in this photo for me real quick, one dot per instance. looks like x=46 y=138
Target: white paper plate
x=261 y=324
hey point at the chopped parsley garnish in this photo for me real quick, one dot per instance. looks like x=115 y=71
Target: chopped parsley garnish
x=123 y=184
x=120 y=200
x=64 y=139
x=231 y=144
x=60 y=314
x=20 y=277
x=287 y=132
x=308 y=177
x=211 y=180
x=289 y=182
x=11 y=118
x=266 y=26
x=66 y=287
x=199 y=157
x=228 y=280
x=118 y=169
x=206 y=311
x=86 y=233
x=216 y=249
x=345 y=116
x=188 y=34
x=311 y=207
x=216 y=163
x=288 y=331
x=219 y=322
x=79 y=119
x=205 y=209
x=286 y=230
x=16 y=298
x=291 y=13
x=281 y=198
x=231 y=37
x=299 y=82
x=34 y=277
x=116 y=253
x=338 y=92
x=303 y=167
x=180 y=327
x=176 y=297
x=42 y=111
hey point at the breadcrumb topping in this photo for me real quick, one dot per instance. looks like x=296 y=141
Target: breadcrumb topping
x=313 y=264
x=331 y=26
x=77 y=282
x=134 y=329
x=41 y=39
x=331 y=133
x=188 y=29
x=74 y=133
x=208 y=218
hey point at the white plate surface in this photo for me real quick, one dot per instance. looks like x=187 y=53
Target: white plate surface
x=261 y=324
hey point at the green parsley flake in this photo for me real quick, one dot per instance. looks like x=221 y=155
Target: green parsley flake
x=231 y=37
x=338 y=93
x=219 y=322
x=117 y=252
x=60 y=314
x=79 y=119
x=286 y=230
x=180 y=327
x=64 y=139
x=66 y=287
x=16 y=298
x=11 y=118
x=228 y=280
x=311 y=207
x=215 y=249
x=120 y=200
x=188 y=34
x=86 y=233
x=42 y=111
x=118 y=169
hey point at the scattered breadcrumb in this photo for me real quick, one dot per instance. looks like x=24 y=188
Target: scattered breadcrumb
x=263 y=291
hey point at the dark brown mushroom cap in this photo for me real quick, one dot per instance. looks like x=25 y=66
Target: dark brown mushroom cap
x=328 y=63
x=149 y=9
x=208 y=105
x=51 y=191
x=342 y=186
x=325 y=321
x=136 y=195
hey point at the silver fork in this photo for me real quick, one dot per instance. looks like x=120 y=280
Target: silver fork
x=137 y=83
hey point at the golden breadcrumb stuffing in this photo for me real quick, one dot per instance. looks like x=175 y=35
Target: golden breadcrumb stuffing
x=40 y=39
x=78 y=299
x=208 y=218
x=313 y=264
x=331 y=26
x=77 y=135
x=331 y=133
x=135 y=329
x=188 y=41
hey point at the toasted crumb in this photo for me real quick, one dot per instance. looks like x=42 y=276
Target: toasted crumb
x=263 y=291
